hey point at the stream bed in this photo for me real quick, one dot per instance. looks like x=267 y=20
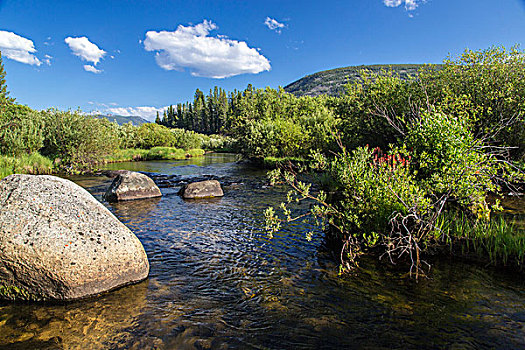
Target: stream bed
x=218 y=282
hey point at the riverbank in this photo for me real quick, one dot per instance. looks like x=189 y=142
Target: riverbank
x=155 y=153
x=37 y=164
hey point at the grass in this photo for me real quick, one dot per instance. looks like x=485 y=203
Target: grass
x=33 y=163
x=160 y=153
x=155 y=153
x=195 y=152
x=498 y=240
x=126 y=155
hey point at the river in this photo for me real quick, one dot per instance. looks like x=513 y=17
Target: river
x=217 y=281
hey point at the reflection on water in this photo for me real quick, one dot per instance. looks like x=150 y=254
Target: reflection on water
x=217 y=281
x=514 y=209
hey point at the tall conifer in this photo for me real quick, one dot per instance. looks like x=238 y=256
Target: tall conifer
x=4 y=94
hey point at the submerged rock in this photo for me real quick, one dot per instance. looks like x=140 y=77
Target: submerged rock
x=131 y=185
x=57 y=242
x=202 y=189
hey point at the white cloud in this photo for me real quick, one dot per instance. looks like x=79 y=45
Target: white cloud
x=85 y=49
x=92 y=69
x=205 y=56
x=18 y=48
x=272 y=24
x=146 y=112
x=410 y=5
x=47 y=59
x=392 y=3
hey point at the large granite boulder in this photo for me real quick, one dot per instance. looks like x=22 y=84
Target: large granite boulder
x=57 y=242
x=131 y=185
x=202 y=189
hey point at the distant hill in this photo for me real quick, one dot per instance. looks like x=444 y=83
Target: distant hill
x=332 y=82
x=120 y=119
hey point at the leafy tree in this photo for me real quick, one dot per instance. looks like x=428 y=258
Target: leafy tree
x=77 y=141
x=488 y=88
x=22 y=131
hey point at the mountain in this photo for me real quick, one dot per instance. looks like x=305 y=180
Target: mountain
x=333 y=81
x=120 y=119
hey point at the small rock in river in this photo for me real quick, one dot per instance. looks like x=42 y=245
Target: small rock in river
x=131 y=185
x=202 y=189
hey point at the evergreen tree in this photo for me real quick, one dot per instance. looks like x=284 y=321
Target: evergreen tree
x=4 y=94
x=180 y=117
x=190 y=120
x=164 y=119
x=199 y=105
x=223 y=110
x=157 y=120
x=171 y=116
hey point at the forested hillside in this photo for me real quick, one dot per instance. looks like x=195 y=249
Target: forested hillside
x=332 y=82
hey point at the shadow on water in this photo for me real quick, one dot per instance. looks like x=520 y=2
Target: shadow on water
x=218 y=281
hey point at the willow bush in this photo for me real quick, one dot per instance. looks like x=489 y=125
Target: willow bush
x=76 y=141
x=450 y=135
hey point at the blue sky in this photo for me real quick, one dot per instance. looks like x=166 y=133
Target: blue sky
x=134 y=57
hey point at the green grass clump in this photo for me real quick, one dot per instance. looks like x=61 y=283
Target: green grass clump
x=127 y=155
x=33 y=163
x=497 y=240
x=195 y=152
x=155 y=153
x=166 y=153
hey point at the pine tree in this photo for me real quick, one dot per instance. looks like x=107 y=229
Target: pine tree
x=157 y=120
x=180 y=116
x=199 y=104
x=4 y=94
x=223 y=110
x=172 y=117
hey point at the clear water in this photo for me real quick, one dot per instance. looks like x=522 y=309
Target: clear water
x=218 y=282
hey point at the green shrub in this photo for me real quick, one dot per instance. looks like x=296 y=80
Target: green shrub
x=187 y=139
x=127 y=134
x=21 y=130
x=273 y=123
x=451 y=162
x=488 y=88
x=77 y=141
x=218 y=143
x=371 y=108
x=153 y=135
x=369 y=193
